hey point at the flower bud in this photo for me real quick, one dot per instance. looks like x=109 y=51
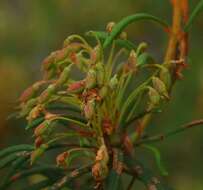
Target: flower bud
x=76 y=87
x=95 y=55
x=123 y=36
x=38 y=142
x=141 y=48
x=61 y=159
x=27 y=107
x=35 y=112
x=100 y=171
x=91 y=79
x=27 y=94
x=42 y=128
x=73 y=57
x=100 y=168
x=64 y=75
x=50 y=116
x=154 y=96
x=160 y=87
x=89 y=109
x=132 y=60
x=30 y=91
x=107 y=126
x=110 y=26
x=47 y=93
x=113 y=82
x=38 y=152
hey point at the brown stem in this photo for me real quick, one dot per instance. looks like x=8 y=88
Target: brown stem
x=131 y=183
x=175 y=32
x=178 y=41
x=161 y=137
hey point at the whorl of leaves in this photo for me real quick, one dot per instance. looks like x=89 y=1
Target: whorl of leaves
x=84 y=108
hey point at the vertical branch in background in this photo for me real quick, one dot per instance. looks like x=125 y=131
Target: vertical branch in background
x=174 y=33
x=176 y=50
x=178 y=42
x=184 y=37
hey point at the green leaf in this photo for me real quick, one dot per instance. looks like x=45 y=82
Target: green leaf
x=119 y=42
x=34 y=123
x=40 y=185
x=36 y=170
x=59 y=106
x=126 y=107
x=15 y=166
x=123 y=88
x=78 y=154
x=194 y=14
x=72 y=120
x=16 y=148
x=157 y=156
x=7 y=160
x=144 y=58
x=38 y=152
x=67 y=178
x=119 y=27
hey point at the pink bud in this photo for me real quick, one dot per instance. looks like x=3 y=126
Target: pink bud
x=76 y=86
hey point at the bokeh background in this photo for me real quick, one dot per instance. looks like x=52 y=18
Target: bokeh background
x=29 y=30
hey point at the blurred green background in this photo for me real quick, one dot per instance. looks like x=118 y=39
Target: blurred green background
x=31 y=29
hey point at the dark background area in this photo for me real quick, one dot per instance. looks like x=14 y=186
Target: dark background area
x=30 y=30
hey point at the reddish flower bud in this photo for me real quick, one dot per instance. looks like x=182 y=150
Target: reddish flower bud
x=73 y=57
x=38 y=142
x=76 y=87
x=30 y=91
x=27 y=94
x=107 y=126
x=50 y=116
x=100 y=168
x=61 y=159
x=40 y=129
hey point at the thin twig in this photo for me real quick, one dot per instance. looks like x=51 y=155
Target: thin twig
x=170 y=133
x=139 y=116
x=131 y=183
x=73 y=145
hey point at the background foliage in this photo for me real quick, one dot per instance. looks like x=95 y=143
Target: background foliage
x=29 y=30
